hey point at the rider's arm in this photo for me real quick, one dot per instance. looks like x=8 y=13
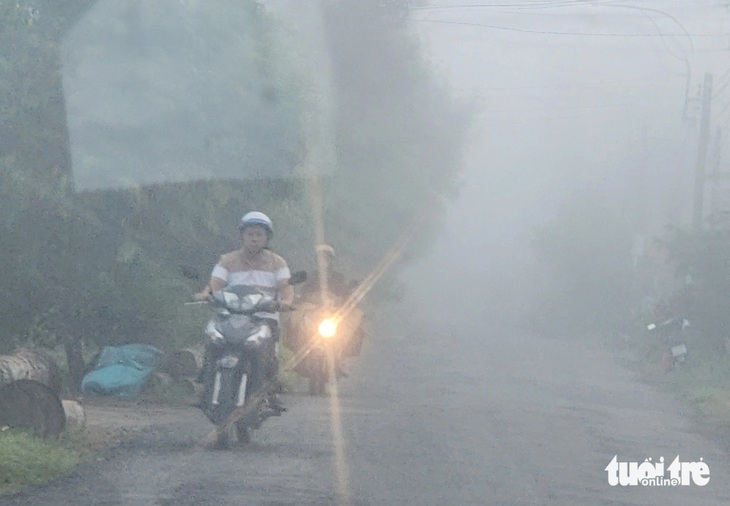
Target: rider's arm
x=286 y=293
x=203 y=294
x=216 y=284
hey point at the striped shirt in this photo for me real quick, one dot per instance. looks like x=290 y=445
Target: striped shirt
x=265 y=272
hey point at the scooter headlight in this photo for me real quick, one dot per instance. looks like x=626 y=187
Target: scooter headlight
x=327 y=328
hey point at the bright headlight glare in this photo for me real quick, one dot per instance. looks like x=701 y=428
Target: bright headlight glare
x=327 y=328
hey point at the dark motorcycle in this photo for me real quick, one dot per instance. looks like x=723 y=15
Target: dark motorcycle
x=672 y=332
x=321 y=338
x=234 y=393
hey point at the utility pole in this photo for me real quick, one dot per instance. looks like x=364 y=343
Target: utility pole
x=699 y=193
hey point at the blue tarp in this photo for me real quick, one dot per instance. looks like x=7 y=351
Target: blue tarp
x=121 y=371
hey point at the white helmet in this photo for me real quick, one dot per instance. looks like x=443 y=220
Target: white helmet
x=326 y=249
x=259 y=219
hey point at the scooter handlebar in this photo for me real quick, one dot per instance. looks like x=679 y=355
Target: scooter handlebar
x=195 y=303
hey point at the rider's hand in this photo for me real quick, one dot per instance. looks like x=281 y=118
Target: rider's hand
x=201 y=295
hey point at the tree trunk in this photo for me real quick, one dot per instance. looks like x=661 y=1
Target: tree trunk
x=26 y=364
x=75 y=362
x=30 y=405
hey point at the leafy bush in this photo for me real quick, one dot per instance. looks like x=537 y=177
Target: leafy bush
x=702 y=260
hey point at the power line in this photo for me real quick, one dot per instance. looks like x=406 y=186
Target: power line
x=596 y=84
x=539 y=116
x=562 y=108
x=531 y=5
x=558 y=14
x=524 y=5
x=582 y=34
x=644 y=10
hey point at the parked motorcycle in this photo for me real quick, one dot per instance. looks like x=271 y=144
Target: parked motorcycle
x=672 y=332
x=234 y=393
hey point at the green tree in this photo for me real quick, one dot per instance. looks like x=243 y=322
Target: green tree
x=103 y=267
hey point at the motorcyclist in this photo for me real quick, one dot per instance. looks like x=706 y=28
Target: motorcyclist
x=327 y=287
x=319 y=288
x=255 y=265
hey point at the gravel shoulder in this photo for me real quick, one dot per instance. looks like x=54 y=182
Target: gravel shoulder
x=111 y=422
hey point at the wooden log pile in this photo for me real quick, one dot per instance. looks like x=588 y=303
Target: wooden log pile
x=75 y=415
x=31 y=405
x=30 y=388
x=33 y=365
x=185 y=363
x=179 y=371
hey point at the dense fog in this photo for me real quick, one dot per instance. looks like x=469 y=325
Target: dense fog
x=594 y=101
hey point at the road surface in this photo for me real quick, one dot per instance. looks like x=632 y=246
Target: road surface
x=431 y=417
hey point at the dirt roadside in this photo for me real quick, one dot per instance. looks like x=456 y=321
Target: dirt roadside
x=110 y=422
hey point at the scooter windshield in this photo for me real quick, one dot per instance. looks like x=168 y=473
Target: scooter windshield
x=241 y=299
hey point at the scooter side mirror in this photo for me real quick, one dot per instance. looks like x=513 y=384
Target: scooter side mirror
x=298 y=277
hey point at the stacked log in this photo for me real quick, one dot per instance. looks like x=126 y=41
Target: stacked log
x=159 y=381
x=191 y=387
x=30 y=385
x=185 y=363
x=30 y=365
x=75 y=415
x=31 y=405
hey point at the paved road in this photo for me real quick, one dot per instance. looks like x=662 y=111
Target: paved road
x=429 y=418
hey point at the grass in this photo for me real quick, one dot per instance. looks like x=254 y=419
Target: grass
x=26 y=460
x=703 y=381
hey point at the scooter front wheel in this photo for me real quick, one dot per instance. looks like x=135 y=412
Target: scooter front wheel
x=243 y=434
x=221 y=439
x=318 y=375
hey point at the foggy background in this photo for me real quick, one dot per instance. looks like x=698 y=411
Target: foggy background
x=612 y=113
